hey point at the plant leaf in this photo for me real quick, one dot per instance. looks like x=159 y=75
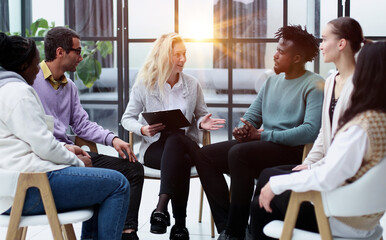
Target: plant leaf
x=39 y=23
x=105 y=48
x=89 y=70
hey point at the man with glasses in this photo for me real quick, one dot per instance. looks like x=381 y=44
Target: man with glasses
x=59 y=97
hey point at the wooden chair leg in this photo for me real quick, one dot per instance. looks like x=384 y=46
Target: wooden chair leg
x=290 y=218
x=211 y=226
x=200 y=213
x=16 y=236
x=24 y=233
x=291 y=215
x=69 y=233
x=39 y=180
x=49 y=205
x=201 y=203
x=322 y=220
x=14 y=232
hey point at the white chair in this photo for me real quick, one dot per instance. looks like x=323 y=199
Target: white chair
x=151 y=173
x=61 y=224
x=365 y=196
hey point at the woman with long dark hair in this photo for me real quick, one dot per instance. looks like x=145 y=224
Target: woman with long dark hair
x=358 y=145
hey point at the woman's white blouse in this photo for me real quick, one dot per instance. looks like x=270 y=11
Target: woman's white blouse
x=174 y=98
x=342 y=161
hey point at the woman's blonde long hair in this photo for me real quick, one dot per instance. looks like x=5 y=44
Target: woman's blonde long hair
x=158 y=64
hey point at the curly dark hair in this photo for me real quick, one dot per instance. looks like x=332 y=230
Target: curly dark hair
x=17 y=52
x=58 y=37
x=369 y=82
x=305 y=42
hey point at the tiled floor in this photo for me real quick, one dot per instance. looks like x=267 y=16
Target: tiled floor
x=198 y=231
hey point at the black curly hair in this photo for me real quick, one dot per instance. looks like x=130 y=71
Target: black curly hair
x=17 y=52
x=304 y=42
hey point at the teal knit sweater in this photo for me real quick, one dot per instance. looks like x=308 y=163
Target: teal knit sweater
x=290 y=110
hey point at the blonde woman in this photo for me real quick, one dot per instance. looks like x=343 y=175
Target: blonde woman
x=161 y=85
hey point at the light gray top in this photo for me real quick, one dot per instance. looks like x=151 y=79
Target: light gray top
x=143 y=100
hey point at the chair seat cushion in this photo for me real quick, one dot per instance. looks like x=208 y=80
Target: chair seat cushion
x=274 y=229
x=64 y=218
x=155 y=173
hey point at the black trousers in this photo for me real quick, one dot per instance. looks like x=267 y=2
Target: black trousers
x=134 y=174
x=174 y=154
x=244 y=162
x=259 y=217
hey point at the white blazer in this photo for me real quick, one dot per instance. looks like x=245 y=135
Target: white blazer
x=327 y=131
x=143 y=100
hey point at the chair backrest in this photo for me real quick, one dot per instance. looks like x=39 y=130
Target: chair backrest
x=307 y=148
x=364 y=196
x=83 y=142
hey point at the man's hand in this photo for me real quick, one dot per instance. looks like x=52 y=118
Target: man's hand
x=253 y=133
x=151 y=130
x=80 y=153
x=246 y=132
x=265 y=198
x=121 y=145
x=240 y=133
x=209 y=123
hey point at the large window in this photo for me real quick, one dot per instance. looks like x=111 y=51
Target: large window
x=230 y=43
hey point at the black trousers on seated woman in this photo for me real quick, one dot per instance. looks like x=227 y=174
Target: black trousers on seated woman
x=174 y=155
x=259 y=217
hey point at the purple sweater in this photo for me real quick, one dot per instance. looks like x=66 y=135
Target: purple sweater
x=64 y=105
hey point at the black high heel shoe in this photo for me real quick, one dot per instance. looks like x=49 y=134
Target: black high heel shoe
x=159 y=222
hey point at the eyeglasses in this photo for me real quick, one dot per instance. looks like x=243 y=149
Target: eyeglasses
x=76 y=50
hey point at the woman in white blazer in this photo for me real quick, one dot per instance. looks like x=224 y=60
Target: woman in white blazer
x=342 y=39
x=161 y=85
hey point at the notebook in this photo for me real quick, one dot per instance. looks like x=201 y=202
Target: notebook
x=172 y=119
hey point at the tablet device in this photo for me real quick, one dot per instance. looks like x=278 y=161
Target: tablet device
x=172 y=119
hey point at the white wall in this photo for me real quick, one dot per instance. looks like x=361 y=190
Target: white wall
x=14 y=16
x=51 y=10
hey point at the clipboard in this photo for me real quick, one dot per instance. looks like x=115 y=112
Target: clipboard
x=172 y=119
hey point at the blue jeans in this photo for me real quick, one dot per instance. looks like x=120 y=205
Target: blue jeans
x=133 y=171
x=76 y=187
